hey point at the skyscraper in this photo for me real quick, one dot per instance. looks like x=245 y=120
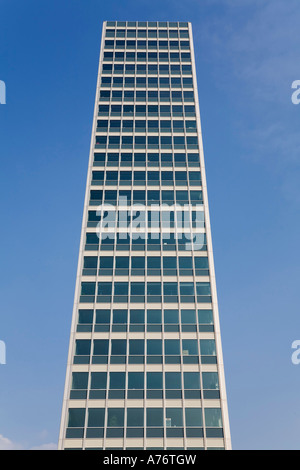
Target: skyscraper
x=145 y=367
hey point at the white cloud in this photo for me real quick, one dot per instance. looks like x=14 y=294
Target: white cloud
x=5 y=443
x=50 y=446
x=255 y=53
x=258 y=45
x=8 y=444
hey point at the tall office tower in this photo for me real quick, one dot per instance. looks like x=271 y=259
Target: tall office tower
x=145 y=367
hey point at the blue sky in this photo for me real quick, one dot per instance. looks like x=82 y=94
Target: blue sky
x=247 y=55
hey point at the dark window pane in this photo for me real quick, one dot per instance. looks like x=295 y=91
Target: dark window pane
x=76 y=417
x=115 y=417
x=191 y=380
x=98 y=380
x=154 y=380
x=135 y=417
x=173 y=380
x=155 y=417
x=135 y=380
x=96 y=417
x=117 y=380
x=193 y=417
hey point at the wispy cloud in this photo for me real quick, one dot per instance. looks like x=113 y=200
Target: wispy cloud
x=255 y=51
x=258 y=44
x=5 y=443
x=50 y=446
x=8 y=444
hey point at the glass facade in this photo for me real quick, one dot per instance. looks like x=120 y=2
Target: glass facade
x=145 y=367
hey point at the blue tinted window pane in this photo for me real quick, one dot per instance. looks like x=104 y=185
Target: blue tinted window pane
x=76 y=417
x=191 y=380
x=98 y=380
x=135 y=380
x=210 y=380
x=153 y=316
x=154 y=346
x=135 y=417
x=79 y=380
x=118 y=346
x=173 y=380
x=193 y=417
x=117 y=380
x=174 y=417
x=172 y=346
x=154 y=380
x=115 y=417
x=207 y=347
x=171 y=316
x=96 y=417
x=155 y=417
x=213 y=417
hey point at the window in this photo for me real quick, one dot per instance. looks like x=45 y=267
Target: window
x=117 y=380
x=135 y=380
x=85 y=317
x=80 y=380
x=188 y=316
x=102 y=316
x=153 y=291
x=135 y=417
x=172 y=346
x=193 y=417
x=104 y=291
x=120 y=289
x=136 y=347
x=154 y=380
x=213 y=417
x=190 y=351
x=137 y=266
x=153 y=316
x=207 y=347
x=154 y=346
x=115 y=417
x=191 y=380
x=106 y=265
x=174 y=418
x=154 y=417
x=76 y=417
x=118 y=346
x=186 y=266
x=153 y=265
x=210 y=380
x=205 y=317
x=119 y=316
x=137 y=288
x=137 y=316
x=122 y=265
x=98 y=380
x=170 y=292
x=82 y=347
x=172 y=380
x=88 y=288
x=96 y=418
x=187 y=292
x=171 y=316
x=101 y=346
